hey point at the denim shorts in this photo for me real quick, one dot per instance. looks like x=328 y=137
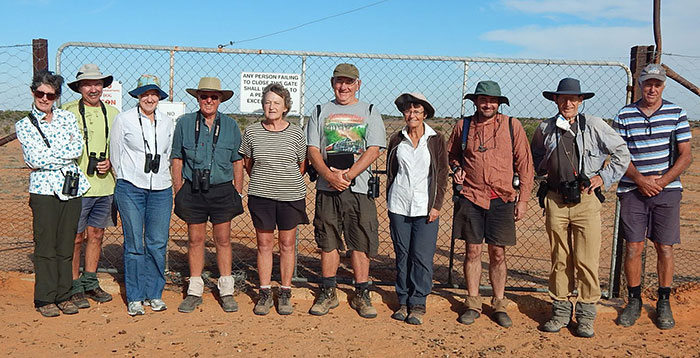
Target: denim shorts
x=97 y=212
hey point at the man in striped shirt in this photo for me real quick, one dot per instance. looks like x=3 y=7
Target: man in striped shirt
x=650 y=191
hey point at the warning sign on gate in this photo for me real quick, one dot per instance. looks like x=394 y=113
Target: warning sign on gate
x=253 y=83
x=112 y=95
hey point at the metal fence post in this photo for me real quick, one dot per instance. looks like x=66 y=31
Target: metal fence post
x=40 y=54
x=464 y=88
x=172 y=74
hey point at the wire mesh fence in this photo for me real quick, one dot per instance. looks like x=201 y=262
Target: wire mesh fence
x=687 y=66
x=444 y=81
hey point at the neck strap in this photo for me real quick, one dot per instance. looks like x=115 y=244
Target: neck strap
x=81 y=109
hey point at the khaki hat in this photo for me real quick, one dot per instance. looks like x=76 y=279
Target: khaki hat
x=210 y=84
x=404 y=99
x=89 y=71
x=346 y=70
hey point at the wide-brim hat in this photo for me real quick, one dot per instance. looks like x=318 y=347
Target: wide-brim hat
x=570 y=86
x=488 y=88
x=211 y=84
x=89 y=71
x=147 y=83
x=404 y=99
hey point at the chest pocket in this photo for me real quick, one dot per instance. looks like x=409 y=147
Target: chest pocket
x=223 y=154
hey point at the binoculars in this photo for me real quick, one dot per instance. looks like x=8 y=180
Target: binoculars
x=93 y=160
x=70 y=184
x=152 y=163
x=200 y=180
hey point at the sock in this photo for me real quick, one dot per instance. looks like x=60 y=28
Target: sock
x=285 y=287
x=362 y=286
x=77 y=286
x=329 y=282
x=634 y=292
x=196 y=286
x=664 y=293
x=265 y=287
x=90 y=281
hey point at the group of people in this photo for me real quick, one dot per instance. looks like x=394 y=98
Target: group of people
x=139 y=158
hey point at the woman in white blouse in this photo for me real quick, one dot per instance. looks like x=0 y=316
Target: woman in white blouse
x=140 y=145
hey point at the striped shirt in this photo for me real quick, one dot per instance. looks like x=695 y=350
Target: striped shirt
x=648 y=139
x=276 y=157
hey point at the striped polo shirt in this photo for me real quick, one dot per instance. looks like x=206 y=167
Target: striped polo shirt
x=648 y=139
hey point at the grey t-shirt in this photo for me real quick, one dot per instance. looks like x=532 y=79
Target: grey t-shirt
x=349 y=128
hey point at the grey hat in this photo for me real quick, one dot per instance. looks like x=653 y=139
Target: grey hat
x=89 y=71
x=487 y=88
x=568 y=86
x=652 y=71
x=404 y=99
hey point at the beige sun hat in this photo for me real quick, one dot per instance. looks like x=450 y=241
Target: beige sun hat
x=211 y=84
x=404 y=99
x=89 y=71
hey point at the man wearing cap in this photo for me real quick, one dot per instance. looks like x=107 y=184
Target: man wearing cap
x=650 y=191
x=484 y=161
x=344 y=137
x=208 y=177
x=571 y=148
x=95 y=120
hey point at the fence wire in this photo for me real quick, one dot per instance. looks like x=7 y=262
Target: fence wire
x=444 y=81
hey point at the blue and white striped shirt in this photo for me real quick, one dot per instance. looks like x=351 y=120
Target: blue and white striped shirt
x=648 y=139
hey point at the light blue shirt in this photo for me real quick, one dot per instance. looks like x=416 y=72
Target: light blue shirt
x=50 y=164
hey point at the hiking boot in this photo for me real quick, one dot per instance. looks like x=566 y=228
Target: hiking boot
x=326 y=300
x=229 y=304
x=585 y=316
x=135 y=308
x=50 y=310
x=98 y=295
x=469 y=316
x=362 y=303
x=631 y=312
x=67 y=307
x=416 y=315
x=284 y=302
x=664 y=316
x=401 y=313
x=500 y=314
x=156 y=304
x=265 y=302
x=80 y=300
x=561 y=316
x=189 y=303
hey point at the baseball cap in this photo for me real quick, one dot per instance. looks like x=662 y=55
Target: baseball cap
x=346 y=70
x=654 y=71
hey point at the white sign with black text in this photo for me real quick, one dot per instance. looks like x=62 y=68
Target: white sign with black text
x=112 y=95
x=253 y=83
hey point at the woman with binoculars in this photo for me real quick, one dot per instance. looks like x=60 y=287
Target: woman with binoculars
x=140 y=145
x=51 y=142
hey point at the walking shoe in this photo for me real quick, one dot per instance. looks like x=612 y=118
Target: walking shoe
x=67 y=307
x=416 y=315
x=135 y=308
x=80 y=300
x=189 y=304
x=98 y=295
x=585 y=316
x=50 y=310
x=401 y=313
x=156 y=304
x=325 y=301
x=229 y=304
x=664 y=316
x=500 y=314
x=265 y=302
x=469 y=316
x=561 y=316
x=363 y=303
x=284 y=302
x=631 y=312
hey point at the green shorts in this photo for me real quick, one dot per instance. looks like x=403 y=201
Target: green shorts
x=350 y=214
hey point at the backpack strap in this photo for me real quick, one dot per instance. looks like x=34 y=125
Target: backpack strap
x=466 y=123
x=370 y=108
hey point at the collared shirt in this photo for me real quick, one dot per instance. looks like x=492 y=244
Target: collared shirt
x=225 y=153
x=648 y=139
x=100 y=184
x=50 y=164
x=492 y=169
x=598 y=141
x=408 y=195
x=128 y=152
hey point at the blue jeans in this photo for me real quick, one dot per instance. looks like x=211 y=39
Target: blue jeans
x=146 y=223
x=414 y=244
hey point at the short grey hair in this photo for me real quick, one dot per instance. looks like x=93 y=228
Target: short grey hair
x=47 y=78
x=279 y=90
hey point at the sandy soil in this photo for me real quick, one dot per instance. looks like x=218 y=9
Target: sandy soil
x=106 y=329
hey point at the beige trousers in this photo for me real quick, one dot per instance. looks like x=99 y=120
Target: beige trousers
x=574 y=237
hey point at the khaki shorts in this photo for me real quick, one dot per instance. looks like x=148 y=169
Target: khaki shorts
x=352 y=215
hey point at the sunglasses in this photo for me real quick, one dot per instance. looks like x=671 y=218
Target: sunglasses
x=205 y=97
x=41 y=94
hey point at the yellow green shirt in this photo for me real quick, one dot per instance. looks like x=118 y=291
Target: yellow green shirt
x=100 y=184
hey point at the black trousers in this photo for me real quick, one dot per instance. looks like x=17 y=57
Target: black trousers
x=55 y=224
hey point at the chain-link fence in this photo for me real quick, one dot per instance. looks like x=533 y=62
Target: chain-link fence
x=687 y=66
x=444 y=81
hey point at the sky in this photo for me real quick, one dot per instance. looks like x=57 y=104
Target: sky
x=542 y=29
